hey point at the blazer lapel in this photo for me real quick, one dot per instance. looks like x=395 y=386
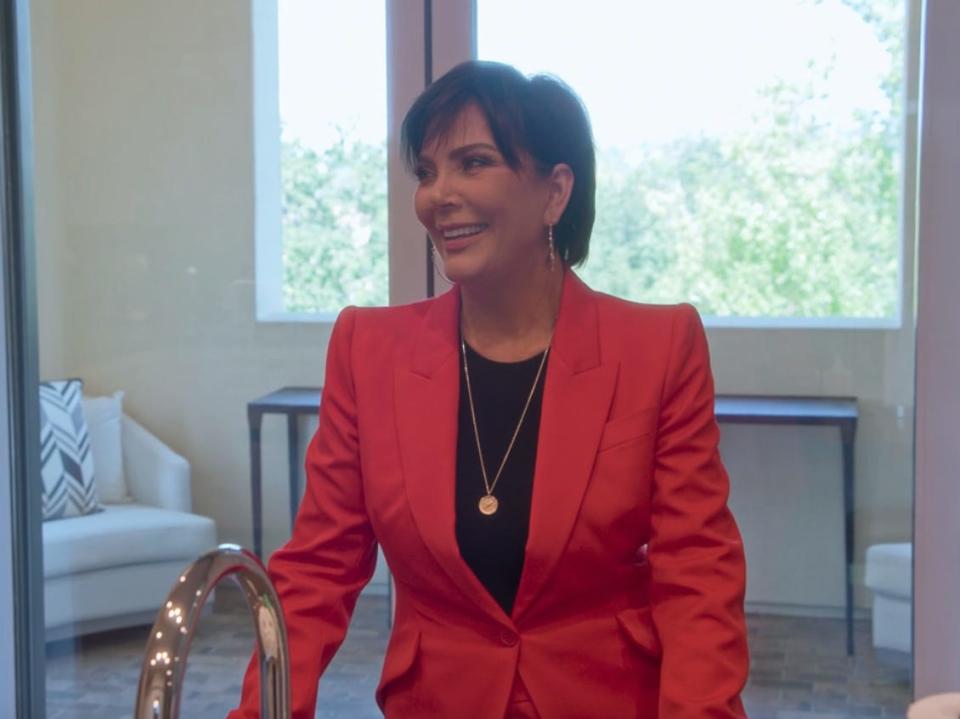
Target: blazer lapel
x=427 y=401
x=576 y=403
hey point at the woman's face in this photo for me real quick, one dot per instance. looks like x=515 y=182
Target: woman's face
x=487 y=220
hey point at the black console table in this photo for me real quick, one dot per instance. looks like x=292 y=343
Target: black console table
x=840 y=412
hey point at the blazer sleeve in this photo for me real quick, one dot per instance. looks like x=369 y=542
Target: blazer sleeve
x=696 y=557
x=332 y=553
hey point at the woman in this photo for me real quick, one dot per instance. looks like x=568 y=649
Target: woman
x=537 y=460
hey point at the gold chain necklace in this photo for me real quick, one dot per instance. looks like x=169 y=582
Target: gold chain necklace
x=488 y=503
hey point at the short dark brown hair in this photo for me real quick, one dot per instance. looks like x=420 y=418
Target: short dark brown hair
x=540 y=116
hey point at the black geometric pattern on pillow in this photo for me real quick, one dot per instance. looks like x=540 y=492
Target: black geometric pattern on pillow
x=66 y=462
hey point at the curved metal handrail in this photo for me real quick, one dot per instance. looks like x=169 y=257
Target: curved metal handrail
x=165 y=660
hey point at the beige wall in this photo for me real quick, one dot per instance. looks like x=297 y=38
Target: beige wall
x=48 y=223
x=145 y=199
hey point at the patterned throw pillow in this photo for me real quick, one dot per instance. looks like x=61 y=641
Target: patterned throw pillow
x=66 y=461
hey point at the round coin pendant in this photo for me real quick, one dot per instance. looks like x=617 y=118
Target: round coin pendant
x=488 y=504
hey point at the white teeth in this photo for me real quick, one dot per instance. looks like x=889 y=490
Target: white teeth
x=462 y=231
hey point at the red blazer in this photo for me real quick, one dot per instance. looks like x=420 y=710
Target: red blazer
x=631 y=598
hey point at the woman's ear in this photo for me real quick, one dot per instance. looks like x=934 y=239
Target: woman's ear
x=560 y=185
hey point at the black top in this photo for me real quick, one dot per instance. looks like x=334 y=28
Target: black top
x=493 y=546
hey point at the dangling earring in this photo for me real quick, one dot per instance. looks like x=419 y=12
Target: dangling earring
x=438 y=263
x=551 y=249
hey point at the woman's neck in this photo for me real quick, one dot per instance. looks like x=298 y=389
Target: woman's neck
x=510 y=321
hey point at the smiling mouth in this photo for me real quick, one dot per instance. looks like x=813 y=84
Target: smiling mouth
x=458 y=233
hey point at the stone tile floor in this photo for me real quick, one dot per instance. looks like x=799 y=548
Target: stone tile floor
x=799 y=670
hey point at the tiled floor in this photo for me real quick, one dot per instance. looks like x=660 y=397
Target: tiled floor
x=96 y=678
x=799 y=670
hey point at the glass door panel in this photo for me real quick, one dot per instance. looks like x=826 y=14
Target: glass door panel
x=211 y=189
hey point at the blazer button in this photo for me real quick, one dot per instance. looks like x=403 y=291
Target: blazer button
x=508 y=638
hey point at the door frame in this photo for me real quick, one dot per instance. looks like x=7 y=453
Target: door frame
x=936 y=569
x=22 y=686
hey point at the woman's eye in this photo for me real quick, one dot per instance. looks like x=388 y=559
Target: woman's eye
x=421 y=173
x=472 y=162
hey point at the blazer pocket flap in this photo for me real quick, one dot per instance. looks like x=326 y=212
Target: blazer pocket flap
x=637 y=625
x=400 y=659
x=623 y=429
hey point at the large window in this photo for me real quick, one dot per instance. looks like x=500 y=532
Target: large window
x=748 y=151
x=333 y=124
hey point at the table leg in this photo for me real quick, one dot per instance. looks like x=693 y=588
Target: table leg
x=293 y=458
x=846 y=438
x=256 y=493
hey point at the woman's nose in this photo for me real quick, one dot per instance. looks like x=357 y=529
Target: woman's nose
x=443 y=191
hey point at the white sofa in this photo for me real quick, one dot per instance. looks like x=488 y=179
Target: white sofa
x=113 y=568
x=889 y=574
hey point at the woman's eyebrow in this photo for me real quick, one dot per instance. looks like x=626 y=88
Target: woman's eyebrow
x=459 y=152
x=466 y=149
